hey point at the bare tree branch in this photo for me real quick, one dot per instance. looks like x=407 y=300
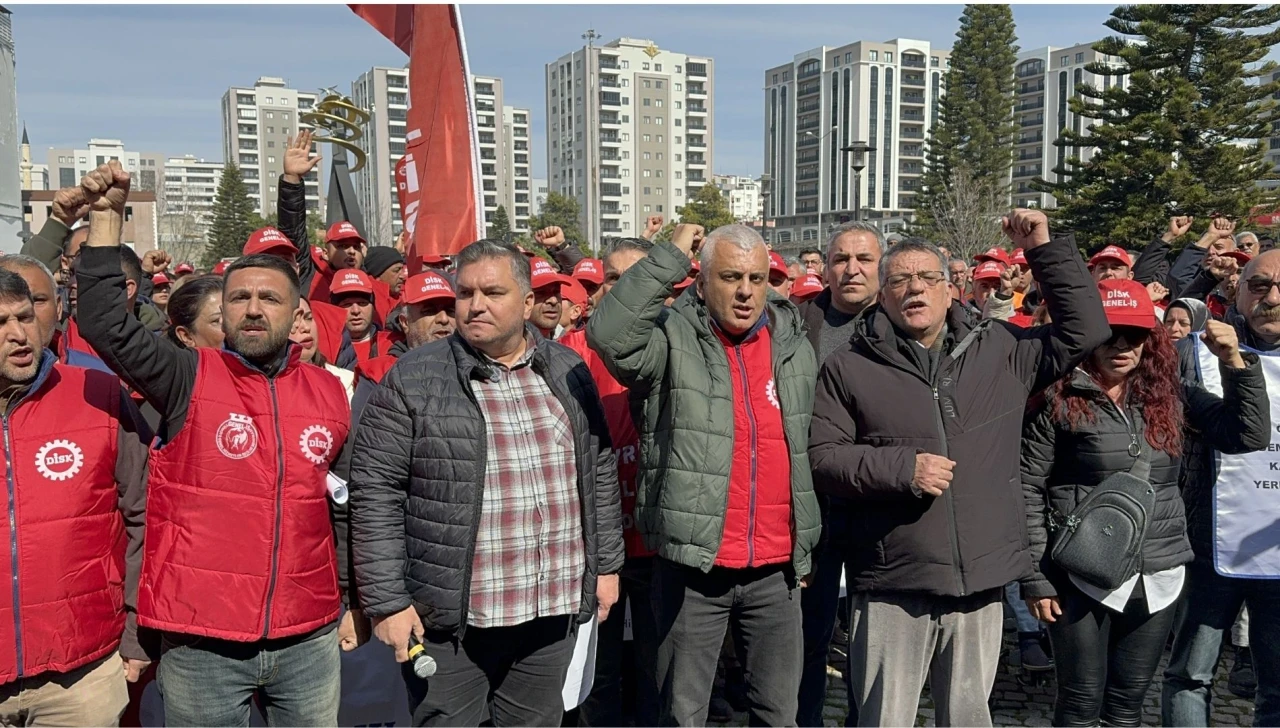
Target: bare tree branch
x=967 y=214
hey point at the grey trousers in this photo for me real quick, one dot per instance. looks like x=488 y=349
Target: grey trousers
x=897 y=640
x=761 y=609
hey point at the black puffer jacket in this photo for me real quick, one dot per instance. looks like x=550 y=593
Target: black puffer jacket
x=1199 y=472
x=1061 y=465
x=417 y=481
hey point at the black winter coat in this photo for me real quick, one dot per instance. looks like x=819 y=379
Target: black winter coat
x=875 y=411
x=417 y=481
x=1061 y=465
x=1199 y=469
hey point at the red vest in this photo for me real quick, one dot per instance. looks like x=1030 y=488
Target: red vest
x=60 y=450
x=239 y=543
x=757 y=522
x=622 y=430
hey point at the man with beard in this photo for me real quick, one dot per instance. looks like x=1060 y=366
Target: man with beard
x=426 y=315
x=240 y=571
x=1224 y=576
x=352 y=291
x=77 y=457
x=548 y=292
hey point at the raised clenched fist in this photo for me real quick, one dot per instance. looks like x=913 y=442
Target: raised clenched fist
x=549 y=237
x=1026 y=228
x=933 y=473
x=1222 y=340
x=107 y=188
x=155 y=261
x=1008 y=280
x=70 y=205
x=1178 y=226
x=687 y=237
x=652 y=226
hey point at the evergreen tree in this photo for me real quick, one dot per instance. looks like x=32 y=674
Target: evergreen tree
x=233 y=218
x=1184 y=137
x=563 y=212
x=975 y=126
x=500 y=225
x=708 y=208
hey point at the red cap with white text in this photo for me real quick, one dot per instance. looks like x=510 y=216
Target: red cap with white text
x=1127 y=303
x=351 y=280
x=426 y=287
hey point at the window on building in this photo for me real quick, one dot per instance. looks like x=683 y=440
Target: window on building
x=659 y=121
x=659 y=155
x=848 y=58
x=679 y=140
x=933 y=61
x=284 y=102
x=888 y=57
x=661 y=191
x=679 y=174
x=647 y=102
x=644 y=66
x=1064 y=61
x=657 y=173
x=626 y=83
x=648 y=120
x=646 y=173
x=875 y=56
x=658 y=103
x=626 y=154
x=775 y=78
x=271 y=115
x=648 y=83
x=677 y=122
x=646 y=138
x=648 y=190
x=1080 y=58
x=626 y=136
x=646 y=155
x=648 y=208
x=271 y=160
x=626 y=64
x=659 y=138
x=657 y=66
x=678 y=158
x=626 y=100
x=270 y=101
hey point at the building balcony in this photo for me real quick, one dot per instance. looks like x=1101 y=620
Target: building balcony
x=1031 y=121
x=913 y=117
x=911 y=150
x=609 y=119
x=1029 y=105
x=609 y=139
x=696 y=70
x=696 y=89
x=1031 y=138
x=808 y=125
x=693 y=108
x=913 y=99
x=609 y=155
x=808 y=89
x=1022 y=172
x=610 y=226
x=912 y=62
x=807 y=176
x=610 y=98
x=611 y=190
x=604 y=83
x=696 y=179
x=695 y=124
x=1026 y=87
x=610 y=209
x=912 y=79
x=809 y=141
x=908 y=134
x=608 y=62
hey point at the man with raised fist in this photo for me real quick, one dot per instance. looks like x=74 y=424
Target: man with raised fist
x=917 y=421
x=240 y=573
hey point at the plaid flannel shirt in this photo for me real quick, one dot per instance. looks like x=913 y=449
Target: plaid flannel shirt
x=529 y=557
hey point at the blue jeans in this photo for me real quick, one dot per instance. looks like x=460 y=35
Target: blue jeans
x=818 y=605
x=1212 y=603
x=1022 y=615
x=210 y=682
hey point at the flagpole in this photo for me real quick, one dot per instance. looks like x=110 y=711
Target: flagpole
x=593 y=172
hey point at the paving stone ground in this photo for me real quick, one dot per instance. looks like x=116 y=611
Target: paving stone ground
x=1016 y=703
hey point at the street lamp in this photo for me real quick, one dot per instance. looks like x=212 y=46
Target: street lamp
x=764 y=196
x=858 y=160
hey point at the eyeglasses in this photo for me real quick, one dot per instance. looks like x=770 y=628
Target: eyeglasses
x=930 y=278
x=1132 y=336
x=1261 y=286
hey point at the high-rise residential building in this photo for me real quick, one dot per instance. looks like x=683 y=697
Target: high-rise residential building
x=68 y=166
x=190 y=189
x=11 y=205
x=504 y=149
x=886 y=95
x=539 y=196
x=1045 y=81
x=742 y=194
x=629 y=132
x=257 y=123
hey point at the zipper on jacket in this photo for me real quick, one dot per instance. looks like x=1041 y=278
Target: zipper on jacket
x=275 y=538
x=13 y=541
x=755 y=438
x=946 y=494
x=477 y=510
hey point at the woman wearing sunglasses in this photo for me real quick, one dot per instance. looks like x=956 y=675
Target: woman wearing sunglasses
x=1126 y=399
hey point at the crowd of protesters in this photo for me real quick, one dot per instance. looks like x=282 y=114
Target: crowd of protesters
x=477 y=457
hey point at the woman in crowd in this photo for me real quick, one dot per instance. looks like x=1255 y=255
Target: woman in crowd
x=1185 y=316
x=304 y=335
x=1125 y=398
x=195 y=313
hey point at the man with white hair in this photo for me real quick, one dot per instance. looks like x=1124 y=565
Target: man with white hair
x=724 y=493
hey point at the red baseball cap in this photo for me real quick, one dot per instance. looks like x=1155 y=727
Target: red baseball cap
x=426 y=286
x=435 y=259
x=1240 y=256
x=1127 y=303
x=806 y=287
x=573 y=292
x=1111 y=252
x=159 y=279
x=351 y=280
x=269 y=240
x=589 y=270
x=543 y=274
x=221 y=267
x=688 y=281
x=988 y=270
x=1020 y=257
x=184 y=268
x=777 y=264
x=997 y=255
x=342 y=230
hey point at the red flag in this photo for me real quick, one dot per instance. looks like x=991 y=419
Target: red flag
x=407 y=192
x=441 y=124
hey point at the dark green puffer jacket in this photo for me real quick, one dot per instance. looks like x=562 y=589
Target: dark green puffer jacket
x=681 y=387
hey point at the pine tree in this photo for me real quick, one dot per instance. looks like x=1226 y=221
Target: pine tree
x=563 y=212
x=1184 y=137
x=708 y=208
x=500 y=225
x=233 y=218
x=975 y=126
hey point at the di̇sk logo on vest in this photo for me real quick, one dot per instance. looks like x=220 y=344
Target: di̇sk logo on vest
x=237 y=438
x=316 y=443
x=59 y=460
x=771 y=391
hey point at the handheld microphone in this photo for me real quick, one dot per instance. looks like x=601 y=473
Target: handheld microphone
x=424 y=666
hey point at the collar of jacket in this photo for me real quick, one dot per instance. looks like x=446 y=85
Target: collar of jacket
x=468 y=359
x=281 y=365
x=47 y=360
x=786 y=326
x=876 y=331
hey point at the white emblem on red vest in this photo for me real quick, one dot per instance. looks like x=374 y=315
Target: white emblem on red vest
x=59 y=460
x=771 y=391
x=237 y=438
x=317 y=443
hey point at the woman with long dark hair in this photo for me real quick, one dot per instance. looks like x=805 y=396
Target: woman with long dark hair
x=1125 y=399
x=195 y=313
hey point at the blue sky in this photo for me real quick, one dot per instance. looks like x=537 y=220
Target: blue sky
x=154 y=76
